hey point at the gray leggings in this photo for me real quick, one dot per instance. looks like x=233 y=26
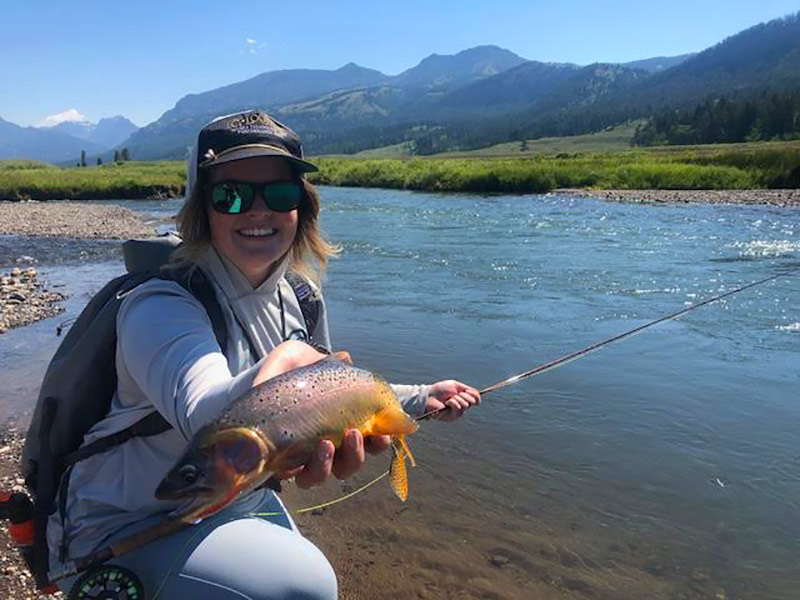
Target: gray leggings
x=235 y=555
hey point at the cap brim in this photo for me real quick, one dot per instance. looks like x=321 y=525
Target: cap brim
x=300 y=165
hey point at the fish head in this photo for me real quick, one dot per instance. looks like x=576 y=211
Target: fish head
x=218 y=465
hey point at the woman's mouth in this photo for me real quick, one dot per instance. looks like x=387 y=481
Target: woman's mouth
x=257 y=233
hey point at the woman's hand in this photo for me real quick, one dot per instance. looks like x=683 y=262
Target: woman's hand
x=457 y=397
x=286 y=357
x=342 y=462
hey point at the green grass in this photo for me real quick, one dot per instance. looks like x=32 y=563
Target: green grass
x=39 y=181
x=723 y=166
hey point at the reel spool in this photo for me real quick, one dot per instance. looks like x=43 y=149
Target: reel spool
x=107 y=582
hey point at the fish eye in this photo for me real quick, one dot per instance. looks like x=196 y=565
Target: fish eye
x=189 y=474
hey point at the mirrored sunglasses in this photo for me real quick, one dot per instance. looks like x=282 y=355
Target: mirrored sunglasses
x=236 y=197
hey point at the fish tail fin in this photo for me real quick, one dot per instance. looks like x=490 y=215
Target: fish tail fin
x=398 y=477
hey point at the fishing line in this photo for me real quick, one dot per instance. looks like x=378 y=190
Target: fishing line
x=324 y=504
x=588 y=349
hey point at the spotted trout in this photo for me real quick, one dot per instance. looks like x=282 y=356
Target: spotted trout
x=277 y=425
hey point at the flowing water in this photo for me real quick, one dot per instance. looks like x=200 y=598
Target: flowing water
x=665 y=466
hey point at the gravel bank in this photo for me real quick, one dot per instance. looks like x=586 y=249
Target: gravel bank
x=24 y=300
x=782 y=198
x=71 y=219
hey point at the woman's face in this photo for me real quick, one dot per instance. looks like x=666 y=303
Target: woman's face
x=257 y=239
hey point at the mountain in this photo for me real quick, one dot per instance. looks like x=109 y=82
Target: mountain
x=351 y=96
x=41 y=144
x=658 y=63
x=444 y=72
x=112 y=131
x=108 y=132
x=77 y=129
x=174 y=131
x=766 y=55
x=511 y=90
x=763 y=57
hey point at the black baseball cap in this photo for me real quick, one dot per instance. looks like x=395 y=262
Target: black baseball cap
x=248 y=134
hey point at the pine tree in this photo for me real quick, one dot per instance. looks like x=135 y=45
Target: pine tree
x=124 y=155
x=83 y=158
x=99 y=161
x=116 y=156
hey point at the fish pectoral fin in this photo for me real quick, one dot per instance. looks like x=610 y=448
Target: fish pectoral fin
x=398 y=477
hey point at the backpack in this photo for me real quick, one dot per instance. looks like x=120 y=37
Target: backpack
x=81 y=378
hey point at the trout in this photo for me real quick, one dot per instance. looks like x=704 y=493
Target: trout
x=277 y=425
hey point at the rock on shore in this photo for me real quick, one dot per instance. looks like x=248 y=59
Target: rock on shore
x=24 y=300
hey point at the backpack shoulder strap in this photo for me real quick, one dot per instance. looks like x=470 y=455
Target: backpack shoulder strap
x=196 y=282
x=308 y=298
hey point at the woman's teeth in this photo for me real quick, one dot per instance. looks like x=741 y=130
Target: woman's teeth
x=256 y=232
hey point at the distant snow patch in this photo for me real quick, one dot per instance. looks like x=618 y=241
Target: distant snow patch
x=71 y=114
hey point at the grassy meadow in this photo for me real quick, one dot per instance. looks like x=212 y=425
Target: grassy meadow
x=599 y=161
x=21 y=180
x=728 y=166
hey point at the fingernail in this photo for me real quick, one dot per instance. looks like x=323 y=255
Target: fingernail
x=324 y=451
x=352 y=441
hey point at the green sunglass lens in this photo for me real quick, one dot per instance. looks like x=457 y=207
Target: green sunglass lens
x=231 y=198
x=282 y=197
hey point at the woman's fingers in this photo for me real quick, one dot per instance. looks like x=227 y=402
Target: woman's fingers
x=285 y=357
x=375 y=444
x=344 y=356
x=350 y=457
x=453 y=395
x=342 y=462
x=318 y=469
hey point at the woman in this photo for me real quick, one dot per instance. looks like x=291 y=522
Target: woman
x=249 y=217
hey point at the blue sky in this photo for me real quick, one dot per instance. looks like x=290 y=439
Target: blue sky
x=138 y=58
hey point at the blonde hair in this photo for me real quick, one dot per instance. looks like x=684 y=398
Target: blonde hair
x=308 y=254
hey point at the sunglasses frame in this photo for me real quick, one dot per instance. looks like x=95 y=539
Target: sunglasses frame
x=261 y=188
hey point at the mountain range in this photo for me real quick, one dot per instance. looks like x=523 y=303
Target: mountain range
x=65 y=141
x=480 y=96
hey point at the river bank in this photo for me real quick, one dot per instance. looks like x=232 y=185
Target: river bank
x=783 y=198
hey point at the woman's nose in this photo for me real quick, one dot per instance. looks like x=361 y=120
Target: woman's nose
x=259 y=204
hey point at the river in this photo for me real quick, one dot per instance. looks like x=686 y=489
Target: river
x=664 y=466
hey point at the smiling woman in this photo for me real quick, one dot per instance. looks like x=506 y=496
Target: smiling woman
x=250 y=227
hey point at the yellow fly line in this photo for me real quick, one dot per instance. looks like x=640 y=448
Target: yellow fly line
x=324 y=504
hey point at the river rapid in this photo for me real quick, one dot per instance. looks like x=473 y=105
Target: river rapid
x=664 y=466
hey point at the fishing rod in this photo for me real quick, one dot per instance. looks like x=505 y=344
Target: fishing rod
x=548 y=366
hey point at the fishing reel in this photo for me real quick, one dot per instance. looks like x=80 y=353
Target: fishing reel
x=107 y=582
